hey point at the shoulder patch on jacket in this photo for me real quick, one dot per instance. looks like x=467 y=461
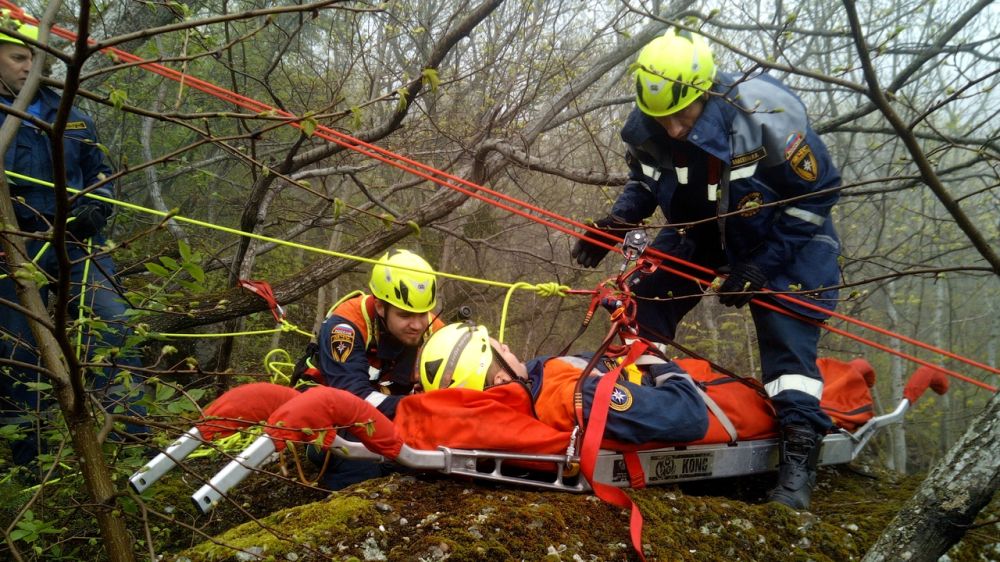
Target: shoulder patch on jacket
x=621 y=398
x=76 y=125
x=748 y=158
x=804 y=163
x=341 y=341
x=792 y=144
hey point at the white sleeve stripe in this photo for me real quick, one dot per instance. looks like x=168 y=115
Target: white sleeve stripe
x=375 y=398
x=802 y=383
x=804 y=215
x=744 y=172
x=650 y=171
x=682 y=175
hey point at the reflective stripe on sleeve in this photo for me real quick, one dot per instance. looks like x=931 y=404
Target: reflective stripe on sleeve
x=804 y=215
x=802 y=383
x=682 y=175
x=744 y=172
x=650 y=171
x=375 y=398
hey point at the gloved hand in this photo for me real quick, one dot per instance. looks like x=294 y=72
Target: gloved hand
x=589 y=254
x=744 y=278
x=88 y=220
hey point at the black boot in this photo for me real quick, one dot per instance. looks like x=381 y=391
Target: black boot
x=798 y=454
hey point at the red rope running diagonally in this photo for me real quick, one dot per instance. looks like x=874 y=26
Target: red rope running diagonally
x=469 y=188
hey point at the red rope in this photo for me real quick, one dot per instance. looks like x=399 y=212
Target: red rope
x=434 y=175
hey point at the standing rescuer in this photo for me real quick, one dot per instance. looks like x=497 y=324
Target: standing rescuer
x=728 y=150
x=30 y=154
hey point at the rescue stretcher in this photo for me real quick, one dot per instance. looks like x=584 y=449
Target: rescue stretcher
x=663 y=465
x=554 y=461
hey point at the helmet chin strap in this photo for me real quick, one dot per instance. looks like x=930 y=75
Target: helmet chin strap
x=504 y=365
x=8 y=91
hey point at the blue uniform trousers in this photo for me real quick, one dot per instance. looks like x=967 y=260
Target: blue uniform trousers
x=787 y=346
x=26 y=407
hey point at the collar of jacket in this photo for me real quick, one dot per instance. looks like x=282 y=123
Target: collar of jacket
x=45 y=97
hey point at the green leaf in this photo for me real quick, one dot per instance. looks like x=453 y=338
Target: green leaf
x=184 y=250
x=170 y=262
x=431 y=78
x=164 y=393
x=118 y=97
x=195 y=271
x=402 y=102
x=338 y=208
x=308 y=126
x=157 y=269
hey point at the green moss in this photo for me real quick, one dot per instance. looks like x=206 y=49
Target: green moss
x=305 y=527
x=411 y=518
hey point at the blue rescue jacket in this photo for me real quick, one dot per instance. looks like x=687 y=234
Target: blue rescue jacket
x=751 y=146
x=31 y=155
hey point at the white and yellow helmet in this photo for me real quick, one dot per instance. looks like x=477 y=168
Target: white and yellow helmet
x=456 y=356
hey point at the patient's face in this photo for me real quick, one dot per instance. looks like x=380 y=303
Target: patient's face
x=501 y=376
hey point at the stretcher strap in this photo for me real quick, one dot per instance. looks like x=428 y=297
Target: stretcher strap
x=636 y=475
x=594 y=433
x=713 y=407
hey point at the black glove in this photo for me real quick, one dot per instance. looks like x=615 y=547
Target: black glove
x=88 y=220
x=589 y=254
x=744 y=278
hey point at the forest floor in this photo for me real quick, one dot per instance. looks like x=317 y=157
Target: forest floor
x=423 y=517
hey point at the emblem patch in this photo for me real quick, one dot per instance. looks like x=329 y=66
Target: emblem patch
x=804 y=163
x=792 y=144
x=341 y=341
x=750 y=203
x=621 y=398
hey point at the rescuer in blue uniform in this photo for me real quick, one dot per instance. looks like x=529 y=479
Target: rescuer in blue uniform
x=30 y=154
x=736 y=156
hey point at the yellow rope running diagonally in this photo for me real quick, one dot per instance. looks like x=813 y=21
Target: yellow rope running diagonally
x=261 y=237
x=548 y=289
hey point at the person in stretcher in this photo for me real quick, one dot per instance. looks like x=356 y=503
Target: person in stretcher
x=670 y=409
x=680 y=401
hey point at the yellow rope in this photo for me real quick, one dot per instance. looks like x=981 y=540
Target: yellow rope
x=276 y=366
x=550 y=289
x=261 y=237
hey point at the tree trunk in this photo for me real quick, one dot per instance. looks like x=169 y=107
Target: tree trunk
x=947 y=503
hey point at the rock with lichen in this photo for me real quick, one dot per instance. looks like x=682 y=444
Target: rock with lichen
x=430 y=517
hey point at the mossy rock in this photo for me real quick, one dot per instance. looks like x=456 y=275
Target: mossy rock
x=429 y=517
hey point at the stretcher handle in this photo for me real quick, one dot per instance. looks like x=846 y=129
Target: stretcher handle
x=164 y=462
x=252 y=458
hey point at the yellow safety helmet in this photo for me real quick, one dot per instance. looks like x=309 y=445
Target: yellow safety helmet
x=456 y=356
x=26 y=29
x=672 y=71
x=404 y=280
